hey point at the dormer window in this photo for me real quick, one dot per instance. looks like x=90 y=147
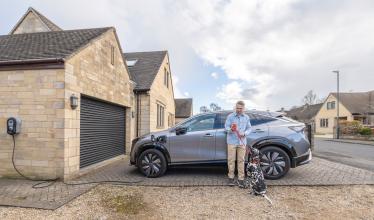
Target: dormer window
x=131 y=63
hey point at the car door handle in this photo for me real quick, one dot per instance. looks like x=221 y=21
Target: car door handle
x=208 y=135
x=258 y=130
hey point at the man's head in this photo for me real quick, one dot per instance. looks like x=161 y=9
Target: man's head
x=239 y=107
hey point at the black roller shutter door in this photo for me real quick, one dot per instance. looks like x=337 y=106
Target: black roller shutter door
x=102 y=131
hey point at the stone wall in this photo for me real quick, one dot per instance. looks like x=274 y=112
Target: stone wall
x=177 y=120
x=37 y=98
x=143 y=114
x=31 y=24
x=162 y=94
x=91 y=72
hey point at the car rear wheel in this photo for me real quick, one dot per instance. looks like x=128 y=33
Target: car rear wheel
x=152 y=163
x=275 y=162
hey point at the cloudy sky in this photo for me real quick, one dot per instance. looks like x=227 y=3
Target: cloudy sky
x=268 y=53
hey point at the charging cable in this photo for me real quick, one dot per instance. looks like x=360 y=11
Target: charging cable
x=49 y=182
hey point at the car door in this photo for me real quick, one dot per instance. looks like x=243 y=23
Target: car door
x=221 y=143
x=259 y=129
x=197 y=144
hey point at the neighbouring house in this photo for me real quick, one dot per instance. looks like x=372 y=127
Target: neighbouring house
x=353 y=106
x=305 y=113
x=73 y=92
x=154 y=94
x=33 y=21
x=183 y=109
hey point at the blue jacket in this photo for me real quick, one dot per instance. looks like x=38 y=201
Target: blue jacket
x=243 y=125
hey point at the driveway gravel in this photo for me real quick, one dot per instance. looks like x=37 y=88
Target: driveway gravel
x=137 y=202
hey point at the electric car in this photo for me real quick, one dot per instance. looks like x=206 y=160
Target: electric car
x=201 y=139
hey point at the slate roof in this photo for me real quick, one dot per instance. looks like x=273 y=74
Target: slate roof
x=183 y=108
x=146 y=68
x=305 y=112
x=45 y=45
x=52 y=26
x=357 y=102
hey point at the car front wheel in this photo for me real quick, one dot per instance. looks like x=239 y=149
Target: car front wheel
x=275 y=162
x=152 y=163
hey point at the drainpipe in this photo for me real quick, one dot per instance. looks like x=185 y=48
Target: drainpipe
x=137 y=113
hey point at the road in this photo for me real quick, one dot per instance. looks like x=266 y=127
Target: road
x=357 y=155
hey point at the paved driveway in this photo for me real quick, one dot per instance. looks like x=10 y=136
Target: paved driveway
x=318 y=172
x=357 y=155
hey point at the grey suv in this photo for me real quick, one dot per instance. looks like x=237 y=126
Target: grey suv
x=201 y=139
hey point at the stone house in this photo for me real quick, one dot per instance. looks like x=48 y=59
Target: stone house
x=305 y=113
x=42 y=75
x=154 y=94
x=45 y=70
x=183 y=109
x=352 y=106
x=33 y=21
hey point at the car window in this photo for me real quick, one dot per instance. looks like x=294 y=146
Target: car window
x=204 y=122
x=257 y=119
x=220 y=120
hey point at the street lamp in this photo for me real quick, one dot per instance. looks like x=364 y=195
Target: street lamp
x=337 y=113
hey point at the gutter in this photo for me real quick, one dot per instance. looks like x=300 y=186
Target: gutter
x=45 y=63
x=31 y=61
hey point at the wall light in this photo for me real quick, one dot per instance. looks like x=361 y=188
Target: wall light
x=73 y=101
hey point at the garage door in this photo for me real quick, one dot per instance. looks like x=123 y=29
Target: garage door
x=102 y=131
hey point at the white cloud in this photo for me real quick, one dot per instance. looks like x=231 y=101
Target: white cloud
x=282 y=49
x=214 y=75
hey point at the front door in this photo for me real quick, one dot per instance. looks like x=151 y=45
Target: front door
x=197 y=144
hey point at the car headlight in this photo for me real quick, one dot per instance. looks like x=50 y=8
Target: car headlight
x=297 y=128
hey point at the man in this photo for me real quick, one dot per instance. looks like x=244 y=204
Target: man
x=238 y=127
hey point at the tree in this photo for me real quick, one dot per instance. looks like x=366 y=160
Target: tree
x=204 y=109
x=310 y=98
x=212 y=107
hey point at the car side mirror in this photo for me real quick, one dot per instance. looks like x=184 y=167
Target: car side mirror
x=180 y=130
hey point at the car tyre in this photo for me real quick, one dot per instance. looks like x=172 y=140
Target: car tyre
x=152 y=163
x=275 y=162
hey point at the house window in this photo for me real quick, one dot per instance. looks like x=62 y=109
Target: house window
x=112 y=54
x=324 y=122
x=331 y=105
x=160 y=115
x=166 y=78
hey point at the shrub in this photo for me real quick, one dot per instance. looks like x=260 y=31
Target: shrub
x=365 y=131
x=350 y=127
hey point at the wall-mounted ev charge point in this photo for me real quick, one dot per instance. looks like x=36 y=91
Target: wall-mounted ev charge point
x=13 y=125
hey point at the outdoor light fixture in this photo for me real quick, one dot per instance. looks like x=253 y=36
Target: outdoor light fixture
x=73 y=101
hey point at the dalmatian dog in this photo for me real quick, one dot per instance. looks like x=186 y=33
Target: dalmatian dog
x=255 y=178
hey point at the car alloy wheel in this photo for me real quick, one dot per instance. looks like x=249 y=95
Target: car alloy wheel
x=275 y=163
x=152 y=163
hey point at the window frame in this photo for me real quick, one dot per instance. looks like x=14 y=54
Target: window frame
x=112 y=55
x=160 y=121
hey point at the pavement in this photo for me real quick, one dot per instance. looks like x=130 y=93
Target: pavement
x=349 y=141
x=319 y=172
x=349 y=152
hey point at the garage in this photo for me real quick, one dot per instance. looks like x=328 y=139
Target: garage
x=102 y=131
